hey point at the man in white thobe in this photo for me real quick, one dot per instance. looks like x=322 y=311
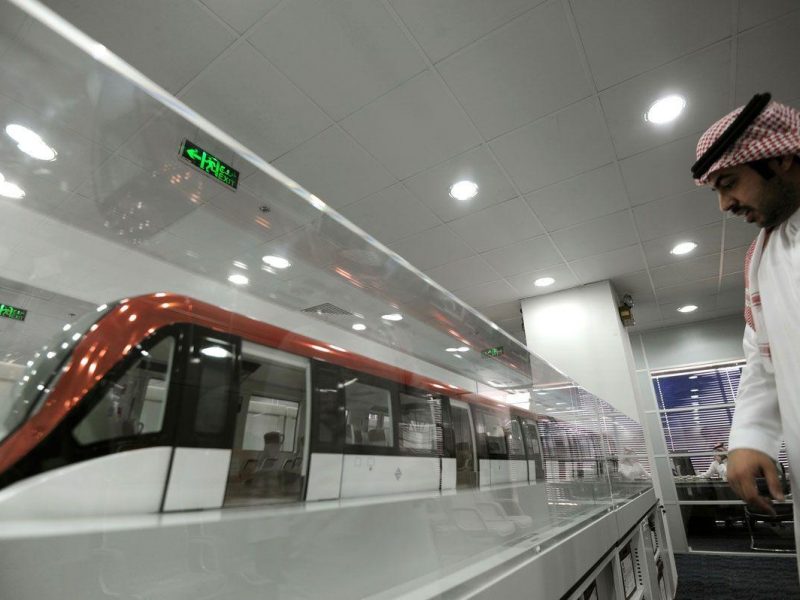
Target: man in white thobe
x=750 y=158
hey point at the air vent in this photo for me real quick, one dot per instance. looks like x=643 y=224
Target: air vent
x=327 y=309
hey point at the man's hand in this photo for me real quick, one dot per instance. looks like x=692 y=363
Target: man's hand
x=744 y=465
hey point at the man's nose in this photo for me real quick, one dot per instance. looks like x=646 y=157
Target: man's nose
x=726 y=203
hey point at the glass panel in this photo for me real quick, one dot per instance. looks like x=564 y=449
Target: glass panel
x=217 y=358
x=465 y=452
x=135 y=403
x=516 y=446
x=368 y=411
x=417 y=426
x=491 y=434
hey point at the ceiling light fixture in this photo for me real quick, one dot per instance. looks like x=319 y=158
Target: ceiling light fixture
x=359 y=326
x=687 y=309
x=683 y=248
x=665 y=109
x=30 y=142
x=392 y=317
x=238 y=279
x=464 y=190
x=463 y=349
x=276 y=262
x=544 y=281
x=451 y=350
x=215 y=352
x=10 y=190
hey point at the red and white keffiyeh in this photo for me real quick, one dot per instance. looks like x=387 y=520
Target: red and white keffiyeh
x=775 y=132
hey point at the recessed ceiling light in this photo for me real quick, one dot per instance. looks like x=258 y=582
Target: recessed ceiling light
x=10 y=190
x=544 y=281
x=688 y=308
x=463 y=349
x=238 y=279
x=30 y=142
x=451 y=349
x=392 y=317
x=692 y=376
x=464 y=190
x=215 y=352
x=276 y=262
x=359 y=326
x=665 y=109
x=694 y=390
x=695 y=396
x=239 y=264
x=683 y=248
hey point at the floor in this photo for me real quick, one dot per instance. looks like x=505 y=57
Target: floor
x=715 y=577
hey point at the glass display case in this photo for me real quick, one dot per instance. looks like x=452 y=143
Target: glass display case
x=213 y=381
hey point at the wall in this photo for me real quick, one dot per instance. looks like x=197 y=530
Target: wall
x=579 y=331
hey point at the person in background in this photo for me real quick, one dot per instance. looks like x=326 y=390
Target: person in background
x=719 y=466
x=750 y=159
x=630 y=468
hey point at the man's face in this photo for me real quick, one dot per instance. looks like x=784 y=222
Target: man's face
x=766 y=202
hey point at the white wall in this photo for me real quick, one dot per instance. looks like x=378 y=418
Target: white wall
x=717 y=340
x=579 y=331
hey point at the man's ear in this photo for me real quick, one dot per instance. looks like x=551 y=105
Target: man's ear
x=782 y=164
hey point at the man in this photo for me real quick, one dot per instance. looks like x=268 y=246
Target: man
x=719 y=466
x=750 y=158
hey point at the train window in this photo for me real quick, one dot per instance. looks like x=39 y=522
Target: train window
x=135 y=403
x=516 y=447
x=267 y=456
x=491 y=434
x=465 y=453
x=417 y=423
x=368 y=410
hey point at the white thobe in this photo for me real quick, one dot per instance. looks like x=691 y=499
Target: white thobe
x=768 y=401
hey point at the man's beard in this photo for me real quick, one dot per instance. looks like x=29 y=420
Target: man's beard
x=781 y=200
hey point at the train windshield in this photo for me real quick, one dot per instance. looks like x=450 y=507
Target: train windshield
x=42 y=371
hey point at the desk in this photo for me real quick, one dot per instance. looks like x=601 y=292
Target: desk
x=700 y=488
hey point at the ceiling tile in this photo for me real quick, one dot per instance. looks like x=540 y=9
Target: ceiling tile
x=342 y=53
x=672 y=215
x=432 y=248
x=65 y=86
x=433 y=186
x=627 y=37
x=582 y=198
x=688 y=293
x=660 y=172
x=444 y=26
x=413 y=127
x=525 y=287
x=267 y=113
x=708 y=239
x=391 y=214
x=688 y=270
x=498 y=225
x=756 y=12
x=733 y=260
x=502 y=88
x=556 y=147
x=767 y=60
x=608 y=265
x=595 y=237
x=732 y=283
x=739 y=232
x=524 y=256
x=636 y=284
x=123 y=196
x=191 y=38
x=207 y=232
x=463 y=273
x=242 y=14
x=502 y=311
x=487 y=294
x=732 y=300
x=335 y=168
x=11 y=21
x=702 y=78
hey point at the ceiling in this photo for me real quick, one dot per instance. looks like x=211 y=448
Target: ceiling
x=377 y=107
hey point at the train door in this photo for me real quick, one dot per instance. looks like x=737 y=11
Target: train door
x=466 y=459
x=268 y=462
x=206 y=420
x=533 y=449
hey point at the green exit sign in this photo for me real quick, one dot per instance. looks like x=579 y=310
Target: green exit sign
x=492 y=352
x=12 y=312
x=209 y=164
